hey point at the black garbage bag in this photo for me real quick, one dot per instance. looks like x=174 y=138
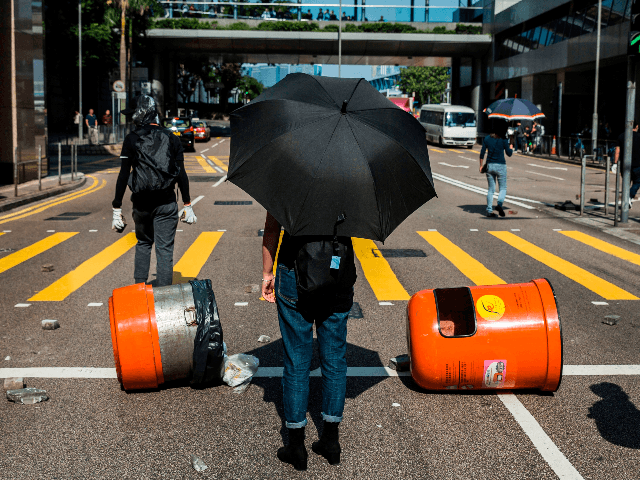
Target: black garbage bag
x=208 y=350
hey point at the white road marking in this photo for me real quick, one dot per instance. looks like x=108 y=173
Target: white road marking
x=222 y=230
x=94 y=304
x=22 y=305
x=179 y=230
x=454 y=166
x=544 y=175
x=549 y=451
x=193 y=202
x=470 y=159
x=218 y=169
x=473 y=229
x=432 y=230
x=548 y=168
x=600 y=303
x=241 y=304
x=6 y=231
x=92 y=372
x=205 y=150
x=93 y=230
x=515 y=229
x=50 y=231
x=219 y=181
x=483 y=191
x=385 y=303
x=557 y=229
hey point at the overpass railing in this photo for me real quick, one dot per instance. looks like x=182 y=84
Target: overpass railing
x=352 y=11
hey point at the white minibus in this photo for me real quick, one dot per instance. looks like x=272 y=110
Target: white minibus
x=449 y=124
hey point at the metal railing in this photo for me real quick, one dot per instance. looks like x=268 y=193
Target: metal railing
x=295 y=11
x=106 y=135
x=17 y=165
x=573 y=147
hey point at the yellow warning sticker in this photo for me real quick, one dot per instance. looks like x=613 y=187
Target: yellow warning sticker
x=490 y=307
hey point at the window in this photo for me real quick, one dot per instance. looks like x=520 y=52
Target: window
x=460 y=119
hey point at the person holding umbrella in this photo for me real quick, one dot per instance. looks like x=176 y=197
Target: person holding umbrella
x=329 y=159
x=496 y=145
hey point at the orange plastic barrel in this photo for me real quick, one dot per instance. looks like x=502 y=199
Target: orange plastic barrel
x=152 y=333
x=486 y=337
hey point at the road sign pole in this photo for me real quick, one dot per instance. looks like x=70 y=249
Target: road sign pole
x=340 y=42
x=15 y=172
x=39 y=167
x=80 y=69
x=628 y=141
x=59 y=163
x=594 y=124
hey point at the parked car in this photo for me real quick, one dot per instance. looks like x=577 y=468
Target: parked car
x=182 y=128
x=201 y=130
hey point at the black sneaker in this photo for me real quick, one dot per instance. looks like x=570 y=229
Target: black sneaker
x=500 y=210
x=491 y=215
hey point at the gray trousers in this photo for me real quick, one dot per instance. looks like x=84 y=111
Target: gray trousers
x=155 y=225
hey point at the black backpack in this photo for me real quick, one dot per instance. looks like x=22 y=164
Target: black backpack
x=325 y=271
x=155 y=167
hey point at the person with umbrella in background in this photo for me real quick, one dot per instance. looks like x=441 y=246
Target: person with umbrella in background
x=152 y=163
x=329 y=159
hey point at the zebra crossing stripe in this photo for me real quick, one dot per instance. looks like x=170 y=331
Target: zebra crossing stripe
x=468 y=266
x=72 y=281
x=596 y=284
x=383 y=281
x=603 y=246
x=31 y=251
x=189 y=266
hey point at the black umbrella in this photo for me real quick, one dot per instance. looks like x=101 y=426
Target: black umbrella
x=312 y=148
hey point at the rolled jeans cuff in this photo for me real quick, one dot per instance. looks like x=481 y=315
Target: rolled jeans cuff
x=301 y=424
x=331 y=418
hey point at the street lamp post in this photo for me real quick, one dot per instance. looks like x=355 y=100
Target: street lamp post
x=80 y=70
x=594 y=125
x=340 y=41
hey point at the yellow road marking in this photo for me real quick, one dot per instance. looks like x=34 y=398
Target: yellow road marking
x=383 y=281
x=52 y=203
x=205 y=166
x=31 y=251
x=603 y=246
x=72 y=281
x=469 y=266
x=219 y=163
x=189 y=266
x=1 y=233
x=596 y=284
x=436 y=150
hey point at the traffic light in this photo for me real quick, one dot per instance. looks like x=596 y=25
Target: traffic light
x=633 y=47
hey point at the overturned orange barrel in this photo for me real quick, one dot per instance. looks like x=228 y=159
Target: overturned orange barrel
x=152 y=333
x=486 y=337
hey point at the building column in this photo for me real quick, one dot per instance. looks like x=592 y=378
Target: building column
x=476 y=90
x=455 y=81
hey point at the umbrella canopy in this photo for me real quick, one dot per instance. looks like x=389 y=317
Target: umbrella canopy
x=312 y=148
x=513 y=109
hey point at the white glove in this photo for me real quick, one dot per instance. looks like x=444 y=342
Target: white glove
x=188 y=216
x=614 y=168
x=118 y=223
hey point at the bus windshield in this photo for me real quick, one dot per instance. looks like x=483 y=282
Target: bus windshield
x=459 y=119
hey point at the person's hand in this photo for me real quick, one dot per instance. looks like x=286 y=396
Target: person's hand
x=118 y=222
x=511 y=146
x=188 y=216
x=480 y=169
x=268 y=284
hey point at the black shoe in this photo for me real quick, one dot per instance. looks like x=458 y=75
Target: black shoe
x=491 y=215
x=295 y=453
x=328 y=446
x=500 y=210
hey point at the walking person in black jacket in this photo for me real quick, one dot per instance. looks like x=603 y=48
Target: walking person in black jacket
x=152 y=163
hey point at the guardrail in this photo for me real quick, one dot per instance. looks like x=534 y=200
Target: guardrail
x=573 y=147
x=17 y=165
x=107 y=135
x=294 y=11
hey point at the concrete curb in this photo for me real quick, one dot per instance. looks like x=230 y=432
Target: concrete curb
x=34 y=197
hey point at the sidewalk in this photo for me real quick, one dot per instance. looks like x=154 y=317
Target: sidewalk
x=28 y=192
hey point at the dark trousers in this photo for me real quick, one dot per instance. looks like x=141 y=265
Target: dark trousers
x=155 y=224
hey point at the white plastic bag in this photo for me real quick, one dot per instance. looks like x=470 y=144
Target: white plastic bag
x=238 y=368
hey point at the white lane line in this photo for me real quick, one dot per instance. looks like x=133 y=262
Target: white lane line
x=548 y=168
x=515 y=229
x=557 y=229
x=241 y=304
x=549 y=451
x=94 y=304
x=93 y=230
x=219 y=181
x=483 y=191
x=600 y=303
x=193 y=202
x=473 y=229
x=454 y=166
x=218 y=169
x=205 y=150
x=385 y=303
x=91 y=372
x=179 y=230
x=470 y=159
x=6 y=231
x=22 y=305
x=432 y=230
x=50 y=231
x=544 y=175
x=222 y=230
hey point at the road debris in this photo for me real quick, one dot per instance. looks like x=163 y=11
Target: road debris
x=50 y=324
x=47 y=267
x=400 y=363
x=611 y=319
x=513 y=212
x=14 y=383
x=395 y=404
x=243 y=386
x=264 y=339
x=238 y=368
x=252 y=289
x=7 y=358
x=197 y=464
x=27 y=396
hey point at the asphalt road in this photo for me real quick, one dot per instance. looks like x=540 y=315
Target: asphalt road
x=90 y=428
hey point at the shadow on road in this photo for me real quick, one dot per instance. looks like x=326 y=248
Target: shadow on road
x=617 y=419
x=482 y=209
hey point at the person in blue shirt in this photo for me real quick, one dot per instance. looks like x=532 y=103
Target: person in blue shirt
x=496 y=145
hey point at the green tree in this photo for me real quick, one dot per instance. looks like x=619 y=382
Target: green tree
x=429 y=83
x=250 y=87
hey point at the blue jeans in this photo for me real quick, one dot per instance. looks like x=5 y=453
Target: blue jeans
x=296 y=328
x=496 y=171
x=635 y=180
